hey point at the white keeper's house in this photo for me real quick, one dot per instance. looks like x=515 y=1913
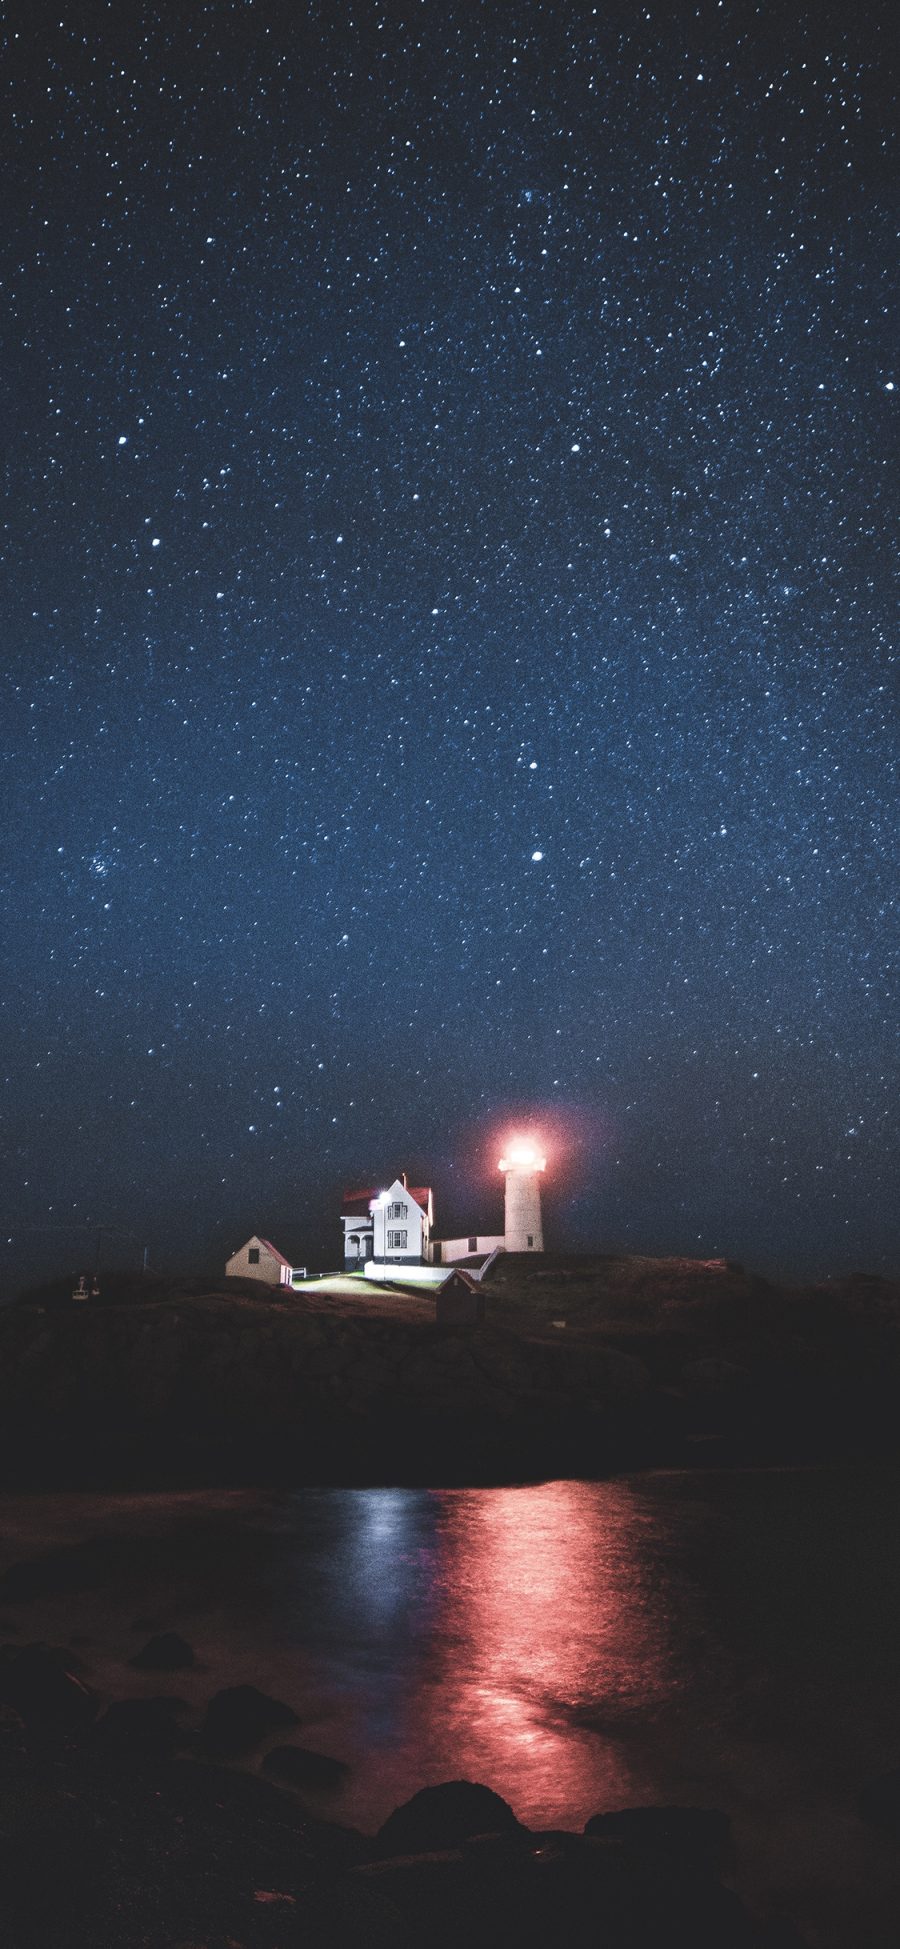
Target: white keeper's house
x=391 y=1227
x=396 y=1228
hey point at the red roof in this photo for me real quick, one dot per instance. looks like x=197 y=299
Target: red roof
x=363 y=1199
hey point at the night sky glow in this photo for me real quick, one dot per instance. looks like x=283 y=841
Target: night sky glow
x=449 y=606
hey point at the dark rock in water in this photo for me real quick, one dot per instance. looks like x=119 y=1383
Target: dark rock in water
x=145 y=1725
x=36 y=1680
x=444 y=1817
x=164 y=1653
x=879 y=1802
x=298 y=1766
x=697 y=1836
x=239 y=1718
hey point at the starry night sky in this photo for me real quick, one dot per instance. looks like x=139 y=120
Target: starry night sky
x=448 y=613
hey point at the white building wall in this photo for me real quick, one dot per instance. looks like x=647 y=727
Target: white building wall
x=462 y=1248
x=414 y=1224
x=522 y=1215
x=268 y=1269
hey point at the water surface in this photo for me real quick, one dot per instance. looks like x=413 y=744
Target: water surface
x=724 y=1640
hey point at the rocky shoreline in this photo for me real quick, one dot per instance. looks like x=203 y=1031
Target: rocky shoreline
x=581 y=1367
x=124 y=1824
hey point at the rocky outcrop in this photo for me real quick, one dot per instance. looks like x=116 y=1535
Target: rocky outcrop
x=164 y=1652
x=106 y=1840
x=444 y=1817
x=698 y=1837
x=578 y=1367
x=239 y=1719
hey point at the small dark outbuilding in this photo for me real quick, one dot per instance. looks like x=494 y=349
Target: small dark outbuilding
x=459 y=1301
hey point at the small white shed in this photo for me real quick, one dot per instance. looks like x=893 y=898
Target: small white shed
x=259 y=1259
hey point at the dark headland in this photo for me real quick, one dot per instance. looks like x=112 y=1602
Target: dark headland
x=137 y=1821
x=581 y=1365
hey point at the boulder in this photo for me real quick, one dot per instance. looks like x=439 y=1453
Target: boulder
x=698 y=1837
x=445 y=1816
x=36 y=1680
x=241 y=1717
x=166 y=1652
x=299 y=1766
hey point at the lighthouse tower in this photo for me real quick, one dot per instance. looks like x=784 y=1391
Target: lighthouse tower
x=522 y=1166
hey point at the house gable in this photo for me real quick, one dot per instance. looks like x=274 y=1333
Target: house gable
x=459 y=1301
x=258 y=1258
x=402 y=1223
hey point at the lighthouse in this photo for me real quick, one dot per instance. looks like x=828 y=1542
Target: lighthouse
x=522 y=1167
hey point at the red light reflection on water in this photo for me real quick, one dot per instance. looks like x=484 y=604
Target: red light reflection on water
x=547 y=1636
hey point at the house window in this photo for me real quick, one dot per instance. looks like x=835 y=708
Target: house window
x=253 y=1255
x=396 y=1211
x=473 y=1245
x=396 y=1241
x=531 y=1238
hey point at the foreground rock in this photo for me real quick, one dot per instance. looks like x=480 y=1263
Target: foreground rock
x=445 y=1816
x=166 y=1652
x=96 y=1851
x=581 y=1893
x=240 y=1718
x=111 y=1837
x=697 y=1836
